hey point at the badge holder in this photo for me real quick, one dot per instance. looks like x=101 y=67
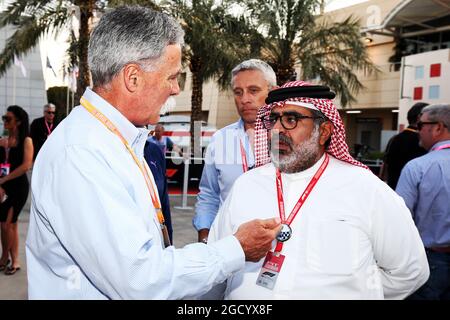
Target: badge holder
x=4 y=169
x=270 y=270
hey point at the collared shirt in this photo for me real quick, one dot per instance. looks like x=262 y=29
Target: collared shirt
x=424 y=184
x=353 y=238
x=165 y=144
x=223 y=165
x=93 y=231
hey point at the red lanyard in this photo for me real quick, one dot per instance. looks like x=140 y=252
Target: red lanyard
x=49 y=128
x=445 y=146
x=302 y=198
x=244 y=157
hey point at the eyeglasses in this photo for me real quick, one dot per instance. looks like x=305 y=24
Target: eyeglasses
x=51 y=112
x=420 y=124
x=6 y=119
x=289 y=120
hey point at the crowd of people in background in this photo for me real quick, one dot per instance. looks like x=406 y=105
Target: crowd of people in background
x=17 y=151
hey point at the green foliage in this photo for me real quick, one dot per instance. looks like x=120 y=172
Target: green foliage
x=216 y=40
x=293 y=36
x=143 y=3
x=58 y=96
x=30 y=20
x=376 y=155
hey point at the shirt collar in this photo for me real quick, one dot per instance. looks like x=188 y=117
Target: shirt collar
x=136 y=137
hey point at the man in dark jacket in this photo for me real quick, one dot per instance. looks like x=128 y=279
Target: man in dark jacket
x=157 y=163
x=42 y=127
x=403 y=147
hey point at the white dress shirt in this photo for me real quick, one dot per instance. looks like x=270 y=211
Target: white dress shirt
x=352 y=239
x=223 y=165
x=93 y=230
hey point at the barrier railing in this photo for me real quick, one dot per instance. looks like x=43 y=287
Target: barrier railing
x=186 y=161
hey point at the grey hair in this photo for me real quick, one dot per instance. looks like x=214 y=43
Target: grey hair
x=49 y=106
x=130 y=34
x=321 y=118
x=438 y=112
x=256 y=64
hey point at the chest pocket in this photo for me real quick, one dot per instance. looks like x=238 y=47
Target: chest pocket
x=332 y=247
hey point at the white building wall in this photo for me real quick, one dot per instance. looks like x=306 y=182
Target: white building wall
x=27 y=91
x=414 y=78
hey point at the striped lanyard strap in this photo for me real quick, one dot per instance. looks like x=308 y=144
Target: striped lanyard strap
x=142 y=166
x=444 y=146
x=312 y=183
x=49 y=127
x=244 y=157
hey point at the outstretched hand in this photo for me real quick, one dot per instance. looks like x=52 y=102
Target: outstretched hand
x=256 y=237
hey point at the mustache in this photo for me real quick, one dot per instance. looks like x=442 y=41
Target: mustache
x=281 y=138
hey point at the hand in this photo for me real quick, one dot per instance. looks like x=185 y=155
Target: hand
x=2 y=194
x=256 y=237
x=203 y=234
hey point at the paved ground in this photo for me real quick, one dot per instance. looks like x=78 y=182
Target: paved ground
x=15 y=287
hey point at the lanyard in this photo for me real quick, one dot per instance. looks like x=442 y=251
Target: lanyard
x=244 y=157
x=410 y=129
x=49 y=128
x=144 y=168
x=445 y=146
x=312 y=183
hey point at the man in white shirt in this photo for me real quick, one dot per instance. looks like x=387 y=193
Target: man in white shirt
x=230 y=152
x=345 y=234
x=96 y=227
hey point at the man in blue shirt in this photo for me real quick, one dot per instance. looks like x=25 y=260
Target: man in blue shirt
x=424 y=184
x=96 y=230
x=163 y=142
x=230 y=153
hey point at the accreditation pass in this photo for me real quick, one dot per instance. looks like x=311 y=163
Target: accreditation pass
x=270 y=269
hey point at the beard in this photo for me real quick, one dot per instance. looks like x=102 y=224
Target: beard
x=168 y=106
x=300 y=157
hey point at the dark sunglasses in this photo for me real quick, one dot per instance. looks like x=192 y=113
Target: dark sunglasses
x=6 y=119
x=51 y=112
x=420 y=124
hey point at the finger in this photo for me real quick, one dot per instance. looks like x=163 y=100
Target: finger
x=271 y=223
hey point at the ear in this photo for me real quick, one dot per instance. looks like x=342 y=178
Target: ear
x=441 y=129
x=273 y=88
x=326 y=130
x=131 y=74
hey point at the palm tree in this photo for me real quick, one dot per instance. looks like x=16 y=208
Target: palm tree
x=33 y=19
x=215 y=42
x=295 y=37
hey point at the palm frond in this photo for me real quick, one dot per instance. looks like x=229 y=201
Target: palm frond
x=27 y=32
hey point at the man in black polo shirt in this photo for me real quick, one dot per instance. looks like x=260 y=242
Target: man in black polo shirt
x=403 y=147
x=42 y=127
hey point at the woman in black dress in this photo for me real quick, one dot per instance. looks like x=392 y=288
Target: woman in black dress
x=16 y=156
